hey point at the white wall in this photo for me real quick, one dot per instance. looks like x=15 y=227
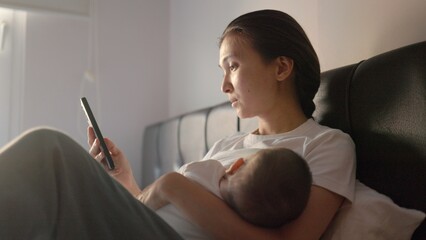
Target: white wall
x=351 y=31
x=56 y=49
x=343 y=32
x=134 y=71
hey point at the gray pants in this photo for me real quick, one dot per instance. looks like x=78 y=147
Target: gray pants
x=51 y=188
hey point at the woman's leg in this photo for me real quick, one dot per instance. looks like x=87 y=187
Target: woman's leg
x=51 y=188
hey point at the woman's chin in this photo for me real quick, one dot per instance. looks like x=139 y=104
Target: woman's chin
x=243 y=115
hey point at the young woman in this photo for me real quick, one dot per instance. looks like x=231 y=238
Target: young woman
x=271 y=72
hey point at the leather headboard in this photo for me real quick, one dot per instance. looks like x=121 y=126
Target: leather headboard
x=380 y=102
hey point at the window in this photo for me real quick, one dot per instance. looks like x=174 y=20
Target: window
x=11 y=71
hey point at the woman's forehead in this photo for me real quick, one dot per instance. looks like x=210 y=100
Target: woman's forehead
x=234 y=46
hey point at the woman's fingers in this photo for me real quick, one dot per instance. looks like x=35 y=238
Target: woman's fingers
x=95 y=148
x=111 y=147
x=90 y=136
x=95 y=151
x=99 y=157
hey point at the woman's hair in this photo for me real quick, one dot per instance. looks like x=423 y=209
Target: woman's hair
x=276 y=190
x=273 y=34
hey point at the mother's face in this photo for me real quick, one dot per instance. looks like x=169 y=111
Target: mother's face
x=249 y=81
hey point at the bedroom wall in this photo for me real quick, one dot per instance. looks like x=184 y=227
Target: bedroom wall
x=354 y=30
x=342 y=32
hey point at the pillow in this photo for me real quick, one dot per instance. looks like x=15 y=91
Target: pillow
x=374 y=216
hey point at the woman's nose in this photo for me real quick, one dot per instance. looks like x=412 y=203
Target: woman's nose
x=226 y=84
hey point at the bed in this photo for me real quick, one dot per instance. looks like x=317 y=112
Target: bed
x=380 y=102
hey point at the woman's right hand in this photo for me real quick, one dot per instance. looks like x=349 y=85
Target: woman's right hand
x=122 y=171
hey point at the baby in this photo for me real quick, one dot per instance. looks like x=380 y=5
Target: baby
x=268 y=188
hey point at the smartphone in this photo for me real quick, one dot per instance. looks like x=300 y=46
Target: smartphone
x=92 y=121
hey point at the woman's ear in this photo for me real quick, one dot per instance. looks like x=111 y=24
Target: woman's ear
x=235 y=166
x=284 y=68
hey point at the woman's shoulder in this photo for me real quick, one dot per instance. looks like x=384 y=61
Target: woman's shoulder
x=330 y=154
x=314 y=131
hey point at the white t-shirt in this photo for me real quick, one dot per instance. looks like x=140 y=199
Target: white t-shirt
x=330 y=154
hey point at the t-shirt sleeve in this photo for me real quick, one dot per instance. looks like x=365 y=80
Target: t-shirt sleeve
x=206 y=172
x=331 y=158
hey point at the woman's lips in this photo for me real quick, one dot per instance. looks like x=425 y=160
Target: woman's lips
x=234 y=102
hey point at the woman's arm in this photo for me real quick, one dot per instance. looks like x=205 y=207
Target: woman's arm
x=321 y=208
x=215 y=217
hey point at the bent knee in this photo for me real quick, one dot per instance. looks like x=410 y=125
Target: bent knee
x=42 y=132
x=44 y=135
x=39 y=141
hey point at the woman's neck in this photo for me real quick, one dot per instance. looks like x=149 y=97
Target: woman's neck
x=285 y=114
x=281 y=122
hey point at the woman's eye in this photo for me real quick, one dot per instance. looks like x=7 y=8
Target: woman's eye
x=232 y=68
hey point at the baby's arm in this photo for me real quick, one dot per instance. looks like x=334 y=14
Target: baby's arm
x=153 y=198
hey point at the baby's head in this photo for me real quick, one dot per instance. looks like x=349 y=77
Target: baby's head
x=268 y=188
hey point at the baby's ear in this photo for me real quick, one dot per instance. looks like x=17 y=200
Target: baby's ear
x=235 y=166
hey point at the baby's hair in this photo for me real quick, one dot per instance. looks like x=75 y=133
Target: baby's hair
x=277 y=190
